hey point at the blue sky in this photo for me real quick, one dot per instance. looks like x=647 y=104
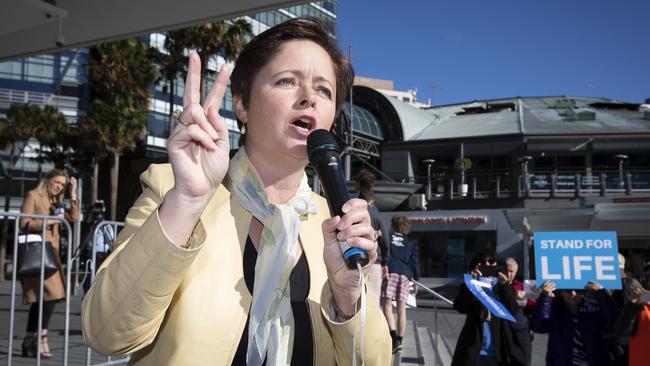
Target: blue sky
x=480 y=49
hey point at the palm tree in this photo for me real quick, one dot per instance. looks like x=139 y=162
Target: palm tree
x=93 y=138
x=121 y=75
x=55 y=138
x=171 y=63
x=225 y=38
x=218 y=38
x=22 y=123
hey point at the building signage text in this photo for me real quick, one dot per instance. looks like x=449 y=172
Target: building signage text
x=463 y=220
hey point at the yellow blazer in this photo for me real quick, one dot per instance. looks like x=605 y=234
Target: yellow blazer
x=173 y=306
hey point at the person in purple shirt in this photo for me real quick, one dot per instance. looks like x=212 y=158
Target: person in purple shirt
x=575 y=321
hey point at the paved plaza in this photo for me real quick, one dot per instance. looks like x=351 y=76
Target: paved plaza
x=419 y=342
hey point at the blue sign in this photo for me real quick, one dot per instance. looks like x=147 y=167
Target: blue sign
x=481 y=288
x=571 y=259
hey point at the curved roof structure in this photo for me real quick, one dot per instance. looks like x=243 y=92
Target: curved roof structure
x=399 y=121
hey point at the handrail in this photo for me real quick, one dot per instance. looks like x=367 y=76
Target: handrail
x=440 y=297
x=93 y=268
x=66 y=334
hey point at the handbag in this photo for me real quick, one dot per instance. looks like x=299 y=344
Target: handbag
x=30 y=249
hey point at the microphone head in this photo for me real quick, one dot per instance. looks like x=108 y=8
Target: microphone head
x=321 y=140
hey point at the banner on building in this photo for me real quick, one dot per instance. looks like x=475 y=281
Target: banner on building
x=481 y=288
x=571 y=259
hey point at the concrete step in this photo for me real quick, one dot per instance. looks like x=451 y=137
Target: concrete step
x=444 y=353
x=419 y=348
x=411 y=350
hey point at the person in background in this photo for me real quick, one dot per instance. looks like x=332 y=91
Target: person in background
x=575 y=321
x=403 y=266
x=46 y=199
x=379 y=269
x=103 y=240
x=486 y=340
x=618 y=345
x=645 y=280
x=634 y=322
x=521 y=328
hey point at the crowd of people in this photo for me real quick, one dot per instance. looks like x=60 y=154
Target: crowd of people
x=585 y=327
x=242 y=243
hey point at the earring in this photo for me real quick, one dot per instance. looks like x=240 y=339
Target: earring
x=243 y=129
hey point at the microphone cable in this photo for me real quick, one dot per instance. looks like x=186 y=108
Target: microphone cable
x=362 y=320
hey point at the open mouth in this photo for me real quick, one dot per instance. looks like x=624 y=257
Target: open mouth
x=303 y=123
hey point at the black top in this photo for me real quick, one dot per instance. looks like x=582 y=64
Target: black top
x=303 y=348
x=382 y=241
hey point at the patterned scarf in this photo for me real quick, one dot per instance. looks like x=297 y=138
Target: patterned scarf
x=271 y=326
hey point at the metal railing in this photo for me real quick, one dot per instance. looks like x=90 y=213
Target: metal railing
x=436 y=335
x=537 y=184
x=92 y=262
x=45 y=218
x=71 y=267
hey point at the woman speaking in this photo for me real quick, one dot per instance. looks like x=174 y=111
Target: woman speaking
x=234 y=262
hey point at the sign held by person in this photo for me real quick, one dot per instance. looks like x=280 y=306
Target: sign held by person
x=571 y=259
x=481 y=288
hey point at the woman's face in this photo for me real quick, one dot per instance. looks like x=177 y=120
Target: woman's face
x=56 y=185
x=293 y=95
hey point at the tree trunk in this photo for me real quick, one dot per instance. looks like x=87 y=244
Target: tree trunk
x=204 y=77
x=95 y=180
x=172 y=98
x=115 y=167
x=4 y=236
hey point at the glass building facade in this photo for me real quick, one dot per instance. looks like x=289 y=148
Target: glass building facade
x=61 y=80
x=157 y=130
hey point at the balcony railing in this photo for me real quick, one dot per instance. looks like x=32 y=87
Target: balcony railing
x=537 y=184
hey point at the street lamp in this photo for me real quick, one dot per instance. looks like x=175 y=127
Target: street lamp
x=621 y=159
x=429 y=191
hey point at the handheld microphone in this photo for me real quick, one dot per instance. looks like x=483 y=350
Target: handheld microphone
x=324 y=157
x=59 y=209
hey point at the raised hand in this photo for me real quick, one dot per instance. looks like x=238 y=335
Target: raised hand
x=476 y=273
x=593 y=286
x=548 y=288
x=354 y=227
x=199 y=152
x=199 y=147
x=73 y=188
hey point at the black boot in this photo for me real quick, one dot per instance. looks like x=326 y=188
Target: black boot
x=397 y=345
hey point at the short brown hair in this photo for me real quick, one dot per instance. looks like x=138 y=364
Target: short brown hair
x=259 y=51
x=401 y=224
